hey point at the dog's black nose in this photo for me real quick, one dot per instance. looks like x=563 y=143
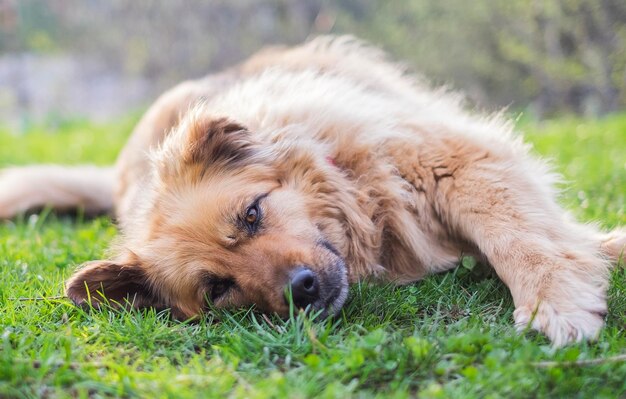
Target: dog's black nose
x=305 y=287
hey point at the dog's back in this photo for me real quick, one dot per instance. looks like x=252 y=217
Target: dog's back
x=99 y=190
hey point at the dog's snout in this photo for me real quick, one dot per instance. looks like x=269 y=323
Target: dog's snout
x=305 y=287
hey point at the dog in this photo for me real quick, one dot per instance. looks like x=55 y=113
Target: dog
x=309 y=168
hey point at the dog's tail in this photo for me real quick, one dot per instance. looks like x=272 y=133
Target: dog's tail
x=63 y=188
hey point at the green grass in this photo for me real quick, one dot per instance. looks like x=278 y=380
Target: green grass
x=449 y=336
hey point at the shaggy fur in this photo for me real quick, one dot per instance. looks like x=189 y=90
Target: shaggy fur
x=326 y=157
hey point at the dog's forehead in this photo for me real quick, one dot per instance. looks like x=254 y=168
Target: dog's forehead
x=207 y=211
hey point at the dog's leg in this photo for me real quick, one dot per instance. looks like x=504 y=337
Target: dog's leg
x=502 y=201
x=555 y=269
x=61 y=187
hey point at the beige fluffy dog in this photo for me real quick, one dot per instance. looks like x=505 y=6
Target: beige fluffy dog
x=312 y=167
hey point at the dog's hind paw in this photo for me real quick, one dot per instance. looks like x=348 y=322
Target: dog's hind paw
x=614 y=245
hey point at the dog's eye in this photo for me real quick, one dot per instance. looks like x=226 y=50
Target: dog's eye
x=251 y=219
x=252 y=216
x=220 y=287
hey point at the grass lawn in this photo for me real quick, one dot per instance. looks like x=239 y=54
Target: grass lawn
x=450 y=335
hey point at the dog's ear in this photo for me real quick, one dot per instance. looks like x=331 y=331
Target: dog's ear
x=217 y=141
x=119 y=285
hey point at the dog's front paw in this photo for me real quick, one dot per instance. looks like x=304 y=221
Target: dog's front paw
x=562 y=324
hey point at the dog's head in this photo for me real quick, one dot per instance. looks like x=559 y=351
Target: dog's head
x=229 y=222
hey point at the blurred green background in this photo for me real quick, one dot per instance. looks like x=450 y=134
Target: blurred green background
x=99 y=59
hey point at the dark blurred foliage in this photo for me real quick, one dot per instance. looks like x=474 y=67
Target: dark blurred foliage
x=543 y=56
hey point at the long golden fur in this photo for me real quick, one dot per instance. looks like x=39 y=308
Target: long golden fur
x=316 y=166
